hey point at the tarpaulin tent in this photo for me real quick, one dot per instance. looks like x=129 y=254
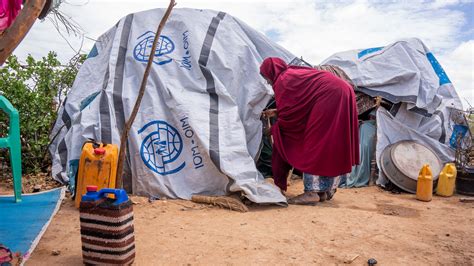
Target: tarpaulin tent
x=198 y=129
x=407 y=74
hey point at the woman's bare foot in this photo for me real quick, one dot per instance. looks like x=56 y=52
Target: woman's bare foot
x=307 y=198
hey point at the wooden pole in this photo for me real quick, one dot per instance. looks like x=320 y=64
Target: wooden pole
x=13 y=35
x=269 y=125
x=141 y=92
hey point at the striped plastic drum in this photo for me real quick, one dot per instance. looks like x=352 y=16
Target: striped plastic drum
x=107 y=231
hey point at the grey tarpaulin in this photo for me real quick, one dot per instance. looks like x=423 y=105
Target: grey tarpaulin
x=392 y=130
x=405 y=72
x=198 y=128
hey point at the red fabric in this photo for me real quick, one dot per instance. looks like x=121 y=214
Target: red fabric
x=317 y=128
x=9 y=9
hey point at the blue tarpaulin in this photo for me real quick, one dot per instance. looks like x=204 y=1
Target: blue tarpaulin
x=22 y=224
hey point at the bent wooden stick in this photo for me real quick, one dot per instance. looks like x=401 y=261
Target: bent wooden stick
x=128 y=125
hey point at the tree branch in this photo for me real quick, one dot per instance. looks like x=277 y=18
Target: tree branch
x=128 y=125
x=17 y=31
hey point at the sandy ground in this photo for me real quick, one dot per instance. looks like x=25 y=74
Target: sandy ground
x=357 y=224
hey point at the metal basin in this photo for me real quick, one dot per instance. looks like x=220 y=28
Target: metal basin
x=401 y=163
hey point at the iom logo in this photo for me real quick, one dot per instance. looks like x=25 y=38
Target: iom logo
x=164 y=46
x=161 y=147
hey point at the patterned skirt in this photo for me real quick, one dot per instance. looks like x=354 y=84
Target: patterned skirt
x=321 y=183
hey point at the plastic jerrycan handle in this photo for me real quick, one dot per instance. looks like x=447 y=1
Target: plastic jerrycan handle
x=451 y=170
x=425 y=172
x=120 y=194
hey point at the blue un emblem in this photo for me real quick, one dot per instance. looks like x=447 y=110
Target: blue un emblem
x=142 y=50
x=161 y=147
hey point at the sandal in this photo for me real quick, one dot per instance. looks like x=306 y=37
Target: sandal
x=330 y=194
x=323 y=196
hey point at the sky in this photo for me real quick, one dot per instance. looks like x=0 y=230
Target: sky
x=313 y=29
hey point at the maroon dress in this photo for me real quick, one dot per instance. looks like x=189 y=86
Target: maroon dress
x=317 y=128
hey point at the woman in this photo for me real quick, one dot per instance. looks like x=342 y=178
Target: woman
x=316 y=130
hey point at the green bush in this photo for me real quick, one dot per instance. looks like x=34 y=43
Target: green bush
x=36 y=89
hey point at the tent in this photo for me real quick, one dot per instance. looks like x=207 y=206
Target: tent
x=407 y=74
x=198 y=129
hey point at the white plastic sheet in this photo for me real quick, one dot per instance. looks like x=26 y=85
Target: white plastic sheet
x=390 y=130
x=406 y=73
x=198 y=127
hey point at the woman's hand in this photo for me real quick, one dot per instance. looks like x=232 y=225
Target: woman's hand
x=269 y=113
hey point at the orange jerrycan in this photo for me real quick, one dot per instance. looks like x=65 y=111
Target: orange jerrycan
x=447 y=180
x=97 y=167
x=424 y=185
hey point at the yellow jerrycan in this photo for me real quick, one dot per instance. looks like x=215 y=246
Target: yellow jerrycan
x=424 y=185
x=447 y=180
x=97 y=167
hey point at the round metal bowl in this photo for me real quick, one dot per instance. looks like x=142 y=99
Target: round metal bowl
x=401 y=163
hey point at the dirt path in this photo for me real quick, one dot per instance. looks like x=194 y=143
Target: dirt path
x=363 y=223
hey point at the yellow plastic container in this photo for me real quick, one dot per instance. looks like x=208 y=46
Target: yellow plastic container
x=424 y=185
x=97 y=167
x=447 y=180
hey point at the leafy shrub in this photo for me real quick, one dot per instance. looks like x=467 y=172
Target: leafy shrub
x=36 y=89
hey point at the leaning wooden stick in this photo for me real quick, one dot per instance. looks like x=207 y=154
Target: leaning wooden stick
x=466 y=200
x=128 y=125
